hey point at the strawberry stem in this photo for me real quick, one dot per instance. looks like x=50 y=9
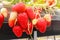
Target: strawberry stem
x=49 y=10
x=52 y=11
x=31 y=37
x=29 y=29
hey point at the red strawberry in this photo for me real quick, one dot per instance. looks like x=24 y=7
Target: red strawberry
x=12 y=19
x=30 y=13
x=19 y=7
x=4 y=12
x=41 y=25
x=47 y=17
x=23 y=20
x=17 y=31
x=1 y=20
x=29 y=29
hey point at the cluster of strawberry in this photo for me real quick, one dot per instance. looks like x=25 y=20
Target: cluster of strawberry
x=24 y=18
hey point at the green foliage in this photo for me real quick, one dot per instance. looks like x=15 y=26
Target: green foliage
x=29 y=3
x=58 y=4
x=40 y=1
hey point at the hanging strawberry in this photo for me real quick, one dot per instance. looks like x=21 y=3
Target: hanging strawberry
x=30 y=13
x=41 y=25
x=19 y=7
x=17 y=31
x=23 y=20
x=12 y=19
x=4 y=12
x=48 y=18
x=1 y=20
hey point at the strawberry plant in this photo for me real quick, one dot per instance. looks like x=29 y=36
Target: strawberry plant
x=25 y=15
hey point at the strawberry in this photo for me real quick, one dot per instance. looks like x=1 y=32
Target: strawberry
x=19 y=7
x=51 y=3
x=29 y=29
x=12 y=19
x=47 y=17
x=23 y=20
x=17 y=31
x=30 y=13
x=1 y=20
x=4 y=11
x=41 y=25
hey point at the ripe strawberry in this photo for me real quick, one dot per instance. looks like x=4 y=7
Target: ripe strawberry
x=47 y=17
x=29 y=29
x=12 y=19
x=19 y=7
x=23 y=20
x=30 y=13
x=4 y=11
x=41 y=25
x=1 y=20
x=17 y=31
